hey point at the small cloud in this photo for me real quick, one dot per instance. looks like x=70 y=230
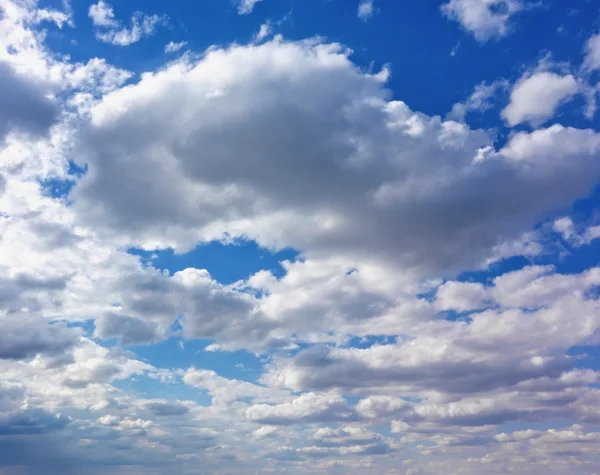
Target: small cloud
x=482 y=99
x=173 y=47
x=455 y=49
x=365 y=9
x=486 y=20
x=213 y=348
x=265 y=30
x=245 y=7
x=110 y=30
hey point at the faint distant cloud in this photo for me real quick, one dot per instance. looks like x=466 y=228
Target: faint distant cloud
x=245 y=7
x=110 y=30
x=173 y=47
x=365 y=9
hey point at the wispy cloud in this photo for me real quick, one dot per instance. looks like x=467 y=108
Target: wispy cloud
x=173 y=47
x=110 y=30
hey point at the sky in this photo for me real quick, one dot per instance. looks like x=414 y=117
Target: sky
x=299 y=237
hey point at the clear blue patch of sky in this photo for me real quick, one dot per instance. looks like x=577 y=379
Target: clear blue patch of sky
x=61 y=187
x=226 y=263
x=87 y=326
x=169 y=354
x=586 y=356
x=370 y=340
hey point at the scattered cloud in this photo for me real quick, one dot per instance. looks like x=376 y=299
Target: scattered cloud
x=484 y=19
x=173 y=47
x=592 y=54
x=481 y=100
x=535 y=98
x=366 y=9
x=400 y=340
x=245 y=7
x=264 y=31
x=110 y=30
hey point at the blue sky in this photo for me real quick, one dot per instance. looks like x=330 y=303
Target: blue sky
x=299 y=236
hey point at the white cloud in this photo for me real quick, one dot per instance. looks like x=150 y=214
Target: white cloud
x=264 y=31
x=173 y=47
x=527 y=310
x=226 y=391
x=111 y=30
x=569 y=232
x=564 y=226
x=480 y=100
x=365 y=149
x=102 y=14
x=375 y=407
x=460 y=296
x=365 y=9
x=245 y=7
x=535 y=98
x=373 y=194
x=592 y=52
x=485 y=19
x=308 y=407
x=265 y=431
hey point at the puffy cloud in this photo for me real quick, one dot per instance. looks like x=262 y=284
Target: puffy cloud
x=265 y=431
x=374 y=407
x=365 y=9
x=308 y=407
x=485 y=19
x=375 y=196
x=264 y=31
x=110 y=30
x=460 y=296
x=570 y=232
x=24 y=106
x=355 y=439
x=226 y=391
x=248 y=188
x=535 y=98
x=530 y=313
x=592 y=50
x=245 y=7
x=23 y=337
x=128 y=330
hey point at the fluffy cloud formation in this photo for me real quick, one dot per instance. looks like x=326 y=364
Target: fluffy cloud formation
x=365 y=9
x=592 y=51
x=245 y=7
x=485 y=19
x=24 y=106
x=248 y=187
x=173 y=47
x=308 y=407
x=110 y=30
x=447 y=357
x=373 y=351
x=24 y=337
x=536 y=98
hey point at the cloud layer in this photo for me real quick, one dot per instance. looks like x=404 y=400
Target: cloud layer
x=428 y=325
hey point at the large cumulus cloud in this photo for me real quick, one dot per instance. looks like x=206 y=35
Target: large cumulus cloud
x=292 y=144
